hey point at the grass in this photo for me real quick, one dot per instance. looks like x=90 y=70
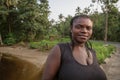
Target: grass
x=43 y=45
x=103 y=50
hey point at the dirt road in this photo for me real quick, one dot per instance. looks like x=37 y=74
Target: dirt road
x=112 y=66
x=32 y=55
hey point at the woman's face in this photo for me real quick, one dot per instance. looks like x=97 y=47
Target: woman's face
x=81 y=30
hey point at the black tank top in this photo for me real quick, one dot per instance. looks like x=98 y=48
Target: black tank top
x=70 y=69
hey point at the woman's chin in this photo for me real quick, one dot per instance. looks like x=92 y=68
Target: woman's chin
x=82 y=40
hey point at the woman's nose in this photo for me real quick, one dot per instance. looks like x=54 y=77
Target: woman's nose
x=84 y=30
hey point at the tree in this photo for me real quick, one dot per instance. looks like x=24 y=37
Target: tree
x=106 y=4
x=86 y=10
x=98 y=27
x=61 y=17
x=63 y=27
x=33 y=19
x=78 y=11
x=7 y=17
x=1 y=42
x=45 y=23
x=24 y=19
x=11 y=5
x=113 y=22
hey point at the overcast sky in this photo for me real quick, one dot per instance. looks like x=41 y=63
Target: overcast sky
x=67 y=7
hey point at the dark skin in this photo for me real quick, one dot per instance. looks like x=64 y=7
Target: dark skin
x=81 y=32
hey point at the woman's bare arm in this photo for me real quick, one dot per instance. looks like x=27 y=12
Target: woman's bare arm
x=52 y=64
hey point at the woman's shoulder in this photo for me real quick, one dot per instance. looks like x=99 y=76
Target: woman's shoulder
x=59 y=46
x=63 y=45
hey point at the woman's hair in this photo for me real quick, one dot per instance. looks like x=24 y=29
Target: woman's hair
x=79 y=16
x=88 y=43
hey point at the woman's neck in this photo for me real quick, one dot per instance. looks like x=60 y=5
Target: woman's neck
x=78 y=44
x=74 y=45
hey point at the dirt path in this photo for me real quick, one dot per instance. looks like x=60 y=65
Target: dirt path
x=32 y=55
x=112 y=66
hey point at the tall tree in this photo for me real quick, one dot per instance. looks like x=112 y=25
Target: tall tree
x=44 y=13
x=113 y=22
x=11 y=5
x=106 y=4
x=7 y=17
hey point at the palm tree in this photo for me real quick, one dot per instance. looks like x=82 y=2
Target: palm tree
x=78 y=11
x=61 y=17
x=52 y=21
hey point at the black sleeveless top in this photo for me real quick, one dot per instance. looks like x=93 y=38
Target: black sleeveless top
x=70 y=69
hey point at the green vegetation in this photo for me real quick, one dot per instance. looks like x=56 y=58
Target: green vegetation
x=9 y=40
x=46 y=44
x=102 y=50
x=43 y=45
x=27 y=20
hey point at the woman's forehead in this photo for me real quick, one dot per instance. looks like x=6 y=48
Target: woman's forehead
x=86 y=21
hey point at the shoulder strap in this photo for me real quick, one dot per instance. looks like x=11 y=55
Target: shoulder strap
x=62 y=48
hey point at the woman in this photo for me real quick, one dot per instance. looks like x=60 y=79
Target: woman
x=75 y=60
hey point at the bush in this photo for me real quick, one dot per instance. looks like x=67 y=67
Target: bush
x=103 y=51
x=9 y=40
x=43 y=45
x=64 y=40
x=46 y=44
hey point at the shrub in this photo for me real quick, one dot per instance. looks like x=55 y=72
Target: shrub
x=43 y=44
x=102 y=50
x=64 y=40
x=9 y=40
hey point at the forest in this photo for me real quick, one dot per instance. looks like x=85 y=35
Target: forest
x=27 y=21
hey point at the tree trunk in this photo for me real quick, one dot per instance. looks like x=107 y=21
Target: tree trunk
x=106 y=27
x=1 y=43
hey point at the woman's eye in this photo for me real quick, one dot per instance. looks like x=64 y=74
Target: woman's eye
x=78 y=27
x=83 y=27
x=88 y=28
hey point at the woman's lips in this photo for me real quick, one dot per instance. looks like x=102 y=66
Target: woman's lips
x=82 y=36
